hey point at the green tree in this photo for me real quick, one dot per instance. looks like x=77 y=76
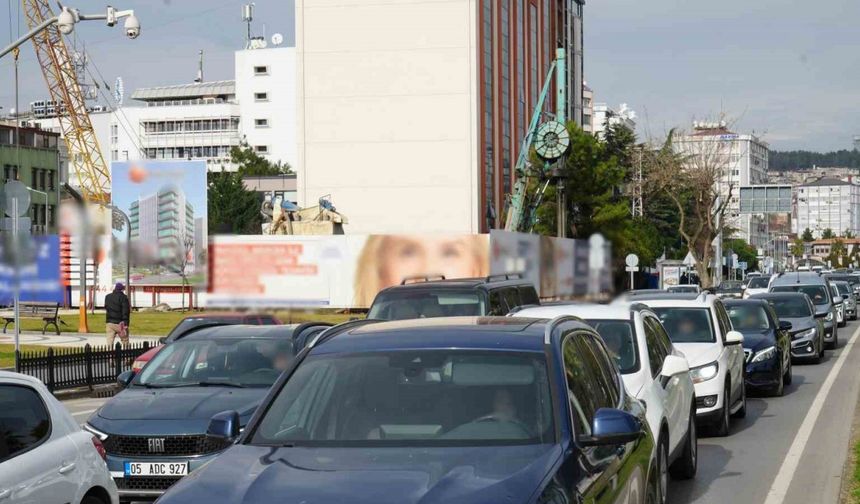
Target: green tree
x=848 y=234
x=232 y=208
x=828 y=234
x=251 y=164
x=838 y=254
x=746 y=252
x=798 y=248
x=807 y=235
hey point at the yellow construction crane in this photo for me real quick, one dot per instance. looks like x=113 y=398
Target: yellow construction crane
x=85 y=156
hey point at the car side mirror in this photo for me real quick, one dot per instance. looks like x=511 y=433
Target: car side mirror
x=613 y=427
x=674 y=365
x=734 y=338
x=821 y=314
x=224 y=425
x=125 y=378
x=162 y=340
x=743 y=287
x=785 y=325
x=837 y=301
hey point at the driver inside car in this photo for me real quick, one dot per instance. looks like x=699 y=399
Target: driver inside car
x=503 y=407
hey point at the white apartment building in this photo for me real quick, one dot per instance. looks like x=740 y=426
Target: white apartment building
x=744 y=159
x=587 y=109
x=605 y=116
x=828 y=203
x=204 y=120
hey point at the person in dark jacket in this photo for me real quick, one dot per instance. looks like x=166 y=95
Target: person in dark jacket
x=117 y=314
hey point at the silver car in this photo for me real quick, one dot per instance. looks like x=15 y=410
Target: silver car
x=849 y=299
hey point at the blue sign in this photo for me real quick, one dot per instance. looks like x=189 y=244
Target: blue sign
x=39 y=279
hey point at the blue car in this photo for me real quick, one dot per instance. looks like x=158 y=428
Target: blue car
x=446 y=410
x=154 y=431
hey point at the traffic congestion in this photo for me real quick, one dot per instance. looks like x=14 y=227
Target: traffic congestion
x=465 y=390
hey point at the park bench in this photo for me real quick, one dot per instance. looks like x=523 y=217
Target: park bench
x=47 y=312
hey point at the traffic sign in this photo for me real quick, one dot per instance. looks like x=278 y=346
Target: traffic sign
x=632 y=268
x=632 y=260
x=742 y=265
x=17 y=199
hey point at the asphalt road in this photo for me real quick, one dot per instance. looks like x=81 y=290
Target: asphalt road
x=755 y=460
x=788 y=449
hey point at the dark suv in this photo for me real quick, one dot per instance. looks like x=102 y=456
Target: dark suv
x=424 y=297
x=457 y=410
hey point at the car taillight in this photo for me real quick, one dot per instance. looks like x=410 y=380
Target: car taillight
x=100 y=448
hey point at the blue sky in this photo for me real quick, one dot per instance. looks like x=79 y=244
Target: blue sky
x=190 y=176
x=787 y=70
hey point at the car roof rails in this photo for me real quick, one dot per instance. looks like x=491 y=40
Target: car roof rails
x=421 y=279
x=504 y=276
x=333 y=331
x=553 y=323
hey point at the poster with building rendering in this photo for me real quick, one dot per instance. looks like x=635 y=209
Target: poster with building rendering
x=165 y=202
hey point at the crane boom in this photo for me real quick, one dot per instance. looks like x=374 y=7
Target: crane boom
x=85 y=156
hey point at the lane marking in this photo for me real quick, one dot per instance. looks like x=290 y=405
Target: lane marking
x=779 y=489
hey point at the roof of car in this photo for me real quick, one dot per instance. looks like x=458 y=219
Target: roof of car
x=618 y=311
x=461 y=283
x=488 y=333
x=680 y=300
x=741 y=302
x=10 y=375
x=799 y=278
x=777 y=295
x=242 y=331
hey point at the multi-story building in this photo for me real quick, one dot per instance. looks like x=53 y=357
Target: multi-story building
x=32 y=157
x=161 y=222
x=411 y=114
x=605 y=117
x=587 y=109
x=743 y=161
x=828 y=204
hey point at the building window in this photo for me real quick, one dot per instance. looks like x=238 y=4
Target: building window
x=533 y=53
x=522 y=119
x=261 y=70
x=114 y=155
x=505 y=29
x=261 y=97
x=489 y=81
x=10 y=172
x=34 y=178
x=261 y=123
x=261 y=149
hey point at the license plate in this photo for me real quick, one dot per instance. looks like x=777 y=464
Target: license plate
x=133 y=469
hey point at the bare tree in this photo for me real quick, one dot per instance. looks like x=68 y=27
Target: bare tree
x=694 y=170
x=179 y=262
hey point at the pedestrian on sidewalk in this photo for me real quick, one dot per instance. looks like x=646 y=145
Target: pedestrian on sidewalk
x=117 y=314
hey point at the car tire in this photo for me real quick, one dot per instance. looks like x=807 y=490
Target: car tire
x=663 y=471
x=92 y=499
x=722 y=427
x=788 y=377
x=651 y=496
x=686 y=465
x=779 y=389
x=742 y=411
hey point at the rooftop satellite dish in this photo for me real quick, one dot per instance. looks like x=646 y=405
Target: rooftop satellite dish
x=277 y=39
x=118 y=91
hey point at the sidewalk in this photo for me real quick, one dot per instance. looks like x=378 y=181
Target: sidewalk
x=68 y=339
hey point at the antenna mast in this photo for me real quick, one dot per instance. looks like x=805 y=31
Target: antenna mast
x=200 y=68
x=247 y=17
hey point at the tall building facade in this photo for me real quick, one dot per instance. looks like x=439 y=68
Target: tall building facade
x=32 y=157
x=411 y=114
x=828 y=204
x=743 y=161
x=160 y=222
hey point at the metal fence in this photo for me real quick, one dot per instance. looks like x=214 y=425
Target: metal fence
x=65 y=368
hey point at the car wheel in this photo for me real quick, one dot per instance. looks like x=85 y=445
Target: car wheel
x=687 y=464
x=742 y=412
x=722 y=427
x=651 y=492
x=663 y=472
x=787 y=377
x=779 y=389
x=91 y=499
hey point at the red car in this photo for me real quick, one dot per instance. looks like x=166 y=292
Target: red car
x=196 y=321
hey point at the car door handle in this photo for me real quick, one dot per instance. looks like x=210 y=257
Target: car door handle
x=5 y=493
x=66 y=469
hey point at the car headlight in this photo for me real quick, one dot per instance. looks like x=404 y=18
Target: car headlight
x=97 y=433
x=829 y=317
x=805 y=334
x=704 y=373
x=763 y=355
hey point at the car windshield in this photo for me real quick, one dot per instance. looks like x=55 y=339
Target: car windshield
x=730 y=286
x=748 y=317
x=790 y=307
x=854 y=279
x=687 y=325
x=403 y=304
x=620 y=341
x=818 y=293
x=683 y=289
x=224 y=362
x=190 y=323
x=758 y=283
x=428 y=397
x=843 y=287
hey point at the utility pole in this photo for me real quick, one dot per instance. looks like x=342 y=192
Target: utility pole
x=561 y=117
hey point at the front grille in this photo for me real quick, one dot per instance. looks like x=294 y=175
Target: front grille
x=145 y=483
x=173 y=445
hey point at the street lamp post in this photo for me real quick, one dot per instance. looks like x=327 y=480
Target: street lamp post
x=68 y=17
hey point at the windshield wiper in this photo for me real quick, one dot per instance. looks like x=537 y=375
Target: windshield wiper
x=218 y=384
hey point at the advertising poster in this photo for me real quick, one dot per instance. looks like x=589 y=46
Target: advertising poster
x=165 y=202
x=39 y=279
x=671 y=276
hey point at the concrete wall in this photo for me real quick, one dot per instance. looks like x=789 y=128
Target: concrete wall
x=387 y=112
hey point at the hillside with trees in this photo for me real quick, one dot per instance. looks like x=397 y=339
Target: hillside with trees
x=802 y=160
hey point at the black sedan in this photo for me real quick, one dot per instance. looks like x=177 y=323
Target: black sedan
x=807 y=326
x=767 y=345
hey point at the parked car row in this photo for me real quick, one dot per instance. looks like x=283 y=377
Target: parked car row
x=496 y=398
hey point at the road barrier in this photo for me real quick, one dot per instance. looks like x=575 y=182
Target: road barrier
x=66 y=368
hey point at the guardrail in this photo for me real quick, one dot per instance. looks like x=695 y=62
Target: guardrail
x=66 y=368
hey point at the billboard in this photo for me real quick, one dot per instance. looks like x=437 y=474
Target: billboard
x=165 y=202
x=39 y=277
x=347 y=271
x=765 y=199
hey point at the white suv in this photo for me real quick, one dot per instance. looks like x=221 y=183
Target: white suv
x=653 y=371
x=699 y=326
x=44 y=454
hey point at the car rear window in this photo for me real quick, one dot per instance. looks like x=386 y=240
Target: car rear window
x=402 y=305
x=758 y=283
x=748 y=317
x=817 y=293
x=790 y=307
x=687 y=325
x=620 y=340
